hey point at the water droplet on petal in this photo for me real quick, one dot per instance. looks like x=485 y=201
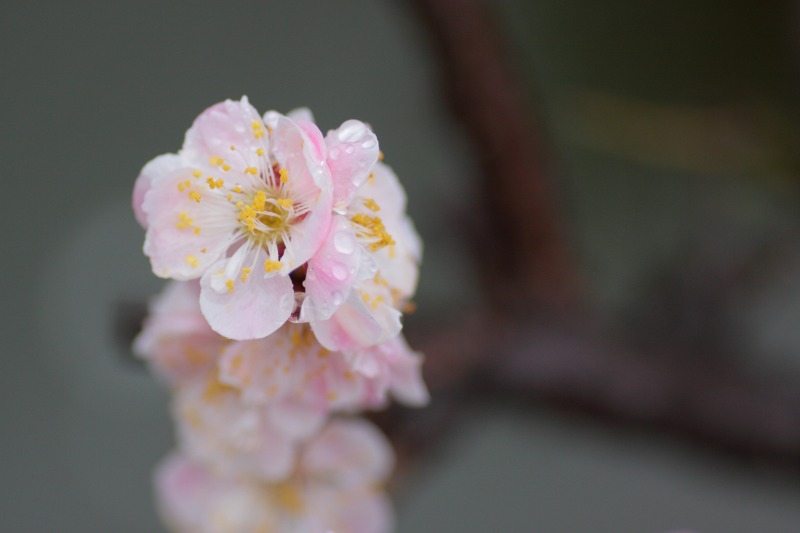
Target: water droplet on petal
x=351 y=131
x=337 y=298
x=344 y=242
x=334 y=153
x=339 y=271
x=349 y=149
x=369 y=143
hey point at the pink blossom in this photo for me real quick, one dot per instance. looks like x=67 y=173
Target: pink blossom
x=334 y=486
x=366 y=272
x=292 y=365
x=217 y=428
x=243 y=204
x=176 y=339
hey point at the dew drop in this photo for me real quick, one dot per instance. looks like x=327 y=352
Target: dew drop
x=344 y=242
x=335 y=153
x=349 y=149
x=339 y=271
x=352 y=131
x=337 y=298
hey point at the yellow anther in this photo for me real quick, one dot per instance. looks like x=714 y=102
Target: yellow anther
x=210 y=182
x=371 y=178
x=219 y=183
x=380 y=156
x=196 y=231
x=258 y=134
x=230 y=197
x=289 y=499
x=371 y=204
x=251 y=170
x=271 y=266
x=184 y=221
x=226 y=168
x=187 y=183
x=245 y=274
x=260 y=152
x=239 y=204
x=196 y=173
x=284 y=174
x=237 y=189
x=229 y=284
x=192 y=261
x=181 y=187
x=233 y=148
x=194 y=195
x=374 y=230
x=216 y=161
x=256 y=125
x=260 y=201
x=285 y=203
x=203 y=250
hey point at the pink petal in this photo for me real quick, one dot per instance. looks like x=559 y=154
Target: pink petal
x=353 y=451
x=351 y=327
x=309 y=179
x=173 y=249
x=384 y=187
x=352 y=152
x=253 y=309
x=155 y=170
x=331 y=272
x=229 y=123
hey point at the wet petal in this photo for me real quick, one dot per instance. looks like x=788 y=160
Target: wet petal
x=229 y=123
x=331 y=272
x=352 y=152
x=251 y=310
x=157 y=169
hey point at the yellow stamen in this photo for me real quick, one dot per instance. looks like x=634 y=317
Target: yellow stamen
x=196 y=231
x=374 y=230
x=284 y=174
x=229 y=284
x=216 y=161
x=372 y=205
x=245 y=274
x=285 y=203
x=271 y=266
x=197 y=173
x=260 y=152
x=226 y=168
x=194 y=195
x=260 y=201
x=251 y=170
x=192 y=261
x=184 y=221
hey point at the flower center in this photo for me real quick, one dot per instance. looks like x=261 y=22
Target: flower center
x=267 y=217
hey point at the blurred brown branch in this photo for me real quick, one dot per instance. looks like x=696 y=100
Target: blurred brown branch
x=522 y=250
x=533 y=344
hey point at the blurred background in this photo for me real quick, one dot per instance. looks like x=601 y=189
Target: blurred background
x=608 y=194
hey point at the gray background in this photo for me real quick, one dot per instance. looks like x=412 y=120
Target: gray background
x=92 y=90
